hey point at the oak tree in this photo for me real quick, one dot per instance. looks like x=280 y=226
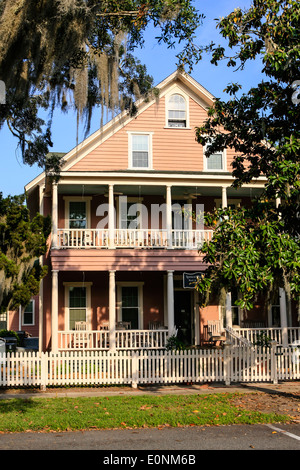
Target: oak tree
x=79 y=54
x=23 y=240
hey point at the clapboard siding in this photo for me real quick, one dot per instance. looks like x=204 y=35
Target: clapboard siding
x=173 y=149
x=125 y=260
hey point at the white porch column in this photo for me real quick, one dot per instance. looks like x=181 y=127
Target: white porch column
x=54 y=214
x=41 y=293
x=112 y=310
x=111 y=216
x=283 y=317
x=228 y=311
x=224 y=197
x=54 y=312
x=169 y=215
x=170 y=302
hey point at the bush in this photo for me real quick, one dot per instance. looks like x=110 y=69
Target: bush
x=173 y=343
x=262 y=340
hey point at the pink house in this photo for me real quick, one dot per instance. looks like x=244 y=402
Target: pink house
x=122 y=251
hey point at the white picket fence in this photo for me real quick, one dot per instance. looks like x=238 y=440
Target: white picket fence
x=231 y=364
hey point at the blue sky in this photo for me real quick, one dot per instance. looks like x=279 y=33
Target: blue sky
x=160 y=62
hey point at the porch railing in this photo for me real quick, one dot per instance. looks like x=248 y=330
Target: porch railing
x=99 y=339
x=132 y=238
x=251 y=335
x=82 y=238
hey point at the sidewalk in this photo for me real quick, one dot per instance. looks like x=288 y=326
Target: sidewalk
x=285 y=388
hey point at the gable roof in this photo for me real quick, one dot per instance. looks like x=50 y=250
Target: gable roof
x=87 y=145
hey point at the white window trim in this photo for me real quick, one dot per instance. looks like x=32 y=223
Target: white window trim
x=86 y=199
x=139 y=285
x=224 y=162
x=177 y=91
x=87 y=285
x=150 y=156
x=22 y=311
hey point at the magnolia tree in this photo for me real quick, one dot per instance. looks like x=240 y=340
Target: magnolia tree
x=257 y=250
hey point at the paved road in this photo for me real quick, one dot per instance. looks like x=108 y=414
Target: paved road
x=237 y=437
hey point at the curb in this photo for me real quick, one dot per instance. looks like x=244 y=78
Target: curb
x=282 y=388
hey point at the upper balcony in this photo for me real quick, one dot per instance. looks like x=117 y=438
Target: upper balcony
x=149 y=216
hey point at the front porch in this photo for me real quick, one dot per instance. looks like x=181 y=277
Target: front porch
x=140 y=308
x=110 y=310
x=98 y=340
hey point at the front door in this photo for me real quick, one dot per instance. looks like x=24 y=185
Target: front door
x=183 y=315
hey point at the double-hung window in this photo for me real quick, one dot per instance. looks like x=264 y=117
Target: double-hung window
x=130 y=305
x=28 y=314
x=77 y=305
x=215 y=162
x=77 y=214
x=140 y=151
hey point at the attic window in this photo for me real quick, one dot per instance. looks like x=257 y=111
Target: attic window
x=176 y=111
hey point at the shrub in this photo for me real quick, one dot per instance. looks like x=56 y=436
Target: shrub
x=173 y=343
x=262 y=340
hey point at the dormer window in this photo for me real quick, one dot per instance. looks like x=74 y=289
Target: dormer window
x=177 y=112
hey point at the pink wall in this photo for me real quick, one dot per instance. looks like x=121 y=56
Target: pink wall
x=153 y=305
x=14 y=322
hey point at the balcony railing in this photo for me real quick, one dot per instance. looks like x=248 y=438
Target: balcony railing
x=130 y=238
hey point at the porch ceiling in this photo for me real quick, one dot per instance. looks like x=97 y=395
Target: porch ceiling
x=183 y=191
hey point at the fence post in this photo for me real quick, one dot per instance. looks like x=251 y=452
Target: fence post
x=274 y=362
x=227 y=357
x=134 y=365
x=44 y=370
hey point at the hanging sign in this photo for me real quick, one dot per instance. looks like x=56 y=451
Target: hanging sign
x=190 y=279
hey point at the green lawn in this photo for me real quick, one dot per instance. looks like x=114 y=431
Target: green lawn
x=61 y=414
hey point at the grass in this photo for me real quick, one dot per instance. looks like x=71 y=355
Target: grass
x=69 y=414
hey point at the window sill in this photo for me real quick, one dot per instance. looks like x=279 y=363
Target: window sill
x=139 y=168
x=178 y=128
